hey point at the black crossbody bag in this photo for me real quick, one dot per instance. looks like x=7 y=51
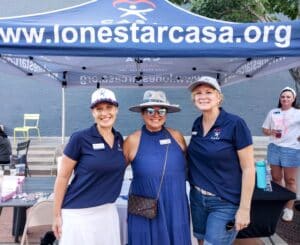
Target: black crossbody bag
x=146 y=206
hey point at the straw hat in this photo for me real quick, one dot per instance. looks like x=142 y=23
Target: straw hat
x=155 y=98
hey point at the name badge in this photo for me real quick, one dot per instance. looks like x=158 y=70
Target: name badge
x=165 y=141
x=194 y=132
x=99 y=146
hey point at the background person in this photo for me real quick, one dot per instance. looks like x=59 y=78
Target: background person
x=282 y=124
x=221 y=168
x=5 y=148
x=145 y=149
x=84 y=211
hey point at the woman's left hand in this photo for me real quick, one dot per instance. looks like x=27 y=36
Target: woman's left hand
x=242 y=218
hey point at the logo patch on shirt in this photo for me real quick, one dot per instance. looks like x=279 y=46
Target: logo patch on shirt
x=119 y=146
x=194 y=132
x=99 y=146
x=216 y=134
x=165 y=141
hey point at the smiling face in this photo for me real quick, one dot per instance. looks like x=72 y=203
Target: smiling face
x=154 y=117
x=105 y=114
x=206 y=98
x=286 y=100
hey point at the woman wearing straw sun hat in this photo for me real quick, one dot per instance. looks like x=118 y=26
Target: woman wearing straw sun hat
x=221 y=167
x=84 y=211
x=157 y=156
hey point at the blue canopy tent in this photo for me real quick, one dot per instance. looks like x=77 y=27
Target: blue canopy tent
x=133 y=43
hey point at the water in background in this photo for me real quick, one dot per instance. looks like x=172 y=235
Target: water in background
x=251 y=100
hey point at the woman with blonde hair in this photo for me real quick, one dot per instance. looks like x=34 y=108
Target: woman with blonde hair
x=221 y=167
x=85 y=210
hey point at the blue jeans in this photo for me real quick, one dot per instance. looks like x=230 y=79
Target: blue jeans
x=210 y=214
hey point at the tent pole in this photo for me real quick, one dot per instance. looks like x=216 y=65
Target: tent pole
x=63 y=110
x=63 y=115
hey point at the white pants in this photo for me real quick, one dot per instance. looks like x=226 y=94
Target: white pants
x=92 y=226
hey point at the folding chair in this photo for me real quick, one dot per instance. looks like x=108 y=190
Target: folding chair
x=31 y=122
x=21 y=155
x=40 y=214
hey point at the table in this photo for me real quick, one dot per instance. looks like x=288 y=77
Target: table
x=266 y=209
x=31 y=185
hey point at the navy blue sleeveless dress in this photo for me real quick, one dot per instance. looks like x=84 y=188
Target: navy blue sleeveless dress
x=172 y=224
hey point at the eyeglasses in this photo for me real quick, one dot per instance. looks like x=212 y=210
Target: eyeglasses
x=230 y=225
x=151 y=111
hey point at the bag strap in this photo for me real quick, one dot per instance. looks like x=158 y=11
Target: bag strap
x=162 y=175
x=163 y=172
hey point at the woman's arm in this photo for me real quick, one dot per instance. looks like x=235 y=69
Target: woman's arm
x=60 y=187
x=246 y=158
x=130 y=146
x=266 y=131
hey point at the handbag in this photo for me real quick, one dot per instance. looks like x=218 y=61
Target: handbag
x=146 y=206
x=143 y=206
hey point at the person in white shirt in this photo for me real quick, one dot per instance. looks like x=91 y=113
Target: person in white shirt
x=282 y=124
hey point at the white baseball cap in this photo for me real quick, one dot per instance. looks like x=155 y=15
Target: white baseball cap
x=205 y=80
x=103 y=95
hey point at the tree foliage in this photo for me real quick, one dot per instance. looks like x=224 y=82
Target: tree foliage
x=243 y=10
x=249 y=11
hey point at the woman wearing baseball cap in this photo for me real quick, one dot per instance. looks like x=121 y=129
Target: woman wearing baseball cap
x=84 y=211
x=282 y=125
x=221 y=167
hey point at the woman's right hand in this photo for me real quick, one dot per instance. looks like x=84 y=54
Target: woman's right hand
x=56 y=227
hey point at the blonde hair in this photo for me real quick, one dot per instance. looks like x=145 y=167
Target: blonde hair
x=220 y=94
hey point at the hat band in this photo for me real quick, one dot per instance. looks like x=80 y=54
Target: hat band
x=154 y=100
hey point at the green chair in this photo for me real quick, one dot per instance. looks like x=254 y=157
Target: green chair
x=31 y=122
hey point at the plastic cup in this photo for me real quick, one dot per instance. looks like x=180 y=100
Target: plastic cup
x=278 y=133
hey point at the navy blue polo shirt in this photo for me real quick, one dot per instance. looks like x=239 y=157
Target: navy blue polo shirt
x=213 y=159
x=99 y=171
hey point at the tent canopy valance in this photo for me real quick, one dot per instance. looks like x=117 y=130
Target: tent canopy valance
x=132 y=72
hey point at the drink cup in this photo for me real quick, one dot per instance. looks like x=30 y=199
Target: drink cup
x=278 y=133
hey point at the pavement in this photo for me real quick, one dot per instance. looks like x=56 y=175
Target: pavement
x=34 y=238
